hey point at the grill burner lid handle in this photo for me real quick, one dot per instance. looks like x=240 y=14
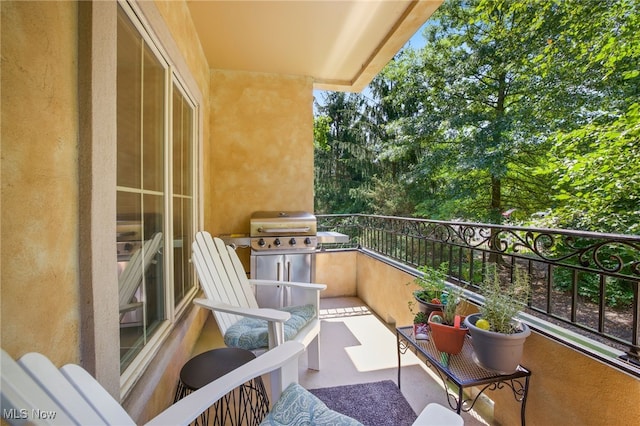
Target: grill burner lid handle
x=278 y=230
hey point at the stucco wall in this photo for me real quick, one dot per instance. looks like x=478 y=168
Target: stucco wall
x=40 y=180
x=337 y=270
x=385 y=289
x=260 y=154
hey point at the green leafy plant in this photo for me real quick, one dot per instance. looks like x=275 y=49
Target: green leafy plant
x=455 y=297
x=420 y=318
x=432 y=283
x=502 y=303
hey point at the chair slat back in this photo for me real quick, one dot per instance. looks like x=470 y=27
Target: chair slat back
x=21 y=394
x=222 y=277
x=131 y=277
x=54 y=382
x=36 y=392
x=97 y=396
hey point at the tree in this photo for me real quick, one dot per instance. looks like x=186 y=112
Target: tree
x=342 y=156
x=485 y=112
x=595 y=166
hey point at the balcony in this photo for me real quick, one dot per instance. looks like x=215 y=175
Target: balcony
x=577 y=345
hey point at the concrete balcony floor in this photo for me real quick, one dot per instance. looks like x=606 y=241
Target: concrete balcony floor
x=357 y=347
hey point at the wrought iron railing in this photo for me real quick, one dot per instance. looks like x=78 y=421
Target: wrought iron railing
x=584 y=281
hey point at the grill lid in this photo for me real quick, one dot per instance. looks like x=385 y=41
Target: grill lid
x=282 y=223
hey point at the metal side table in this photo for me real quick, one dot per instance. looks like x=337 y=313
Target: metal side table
x=245 y=405
x=462 y=371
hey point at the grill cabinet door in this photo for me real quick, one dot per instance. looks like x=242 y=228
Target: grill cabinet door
x=280 y=267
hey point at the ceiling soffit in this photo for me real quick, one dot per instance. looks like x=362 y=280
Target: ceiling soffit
x=342 y=45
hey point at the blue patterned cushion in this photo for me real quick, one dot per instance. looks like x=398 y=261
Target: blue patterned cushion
x=252 y=333
x=297 y=406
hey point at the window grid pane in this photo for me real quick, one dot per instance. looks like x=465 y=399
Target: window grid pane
x=140 y=192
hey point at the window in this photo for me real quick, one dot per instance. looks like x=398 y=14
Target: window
x=183 y=206
x=155 y=189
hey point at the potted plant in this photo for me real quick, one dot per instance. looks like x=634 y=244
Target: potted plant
x=432 y=288
x=447 y=329
x=496 y=335
x=420 y=326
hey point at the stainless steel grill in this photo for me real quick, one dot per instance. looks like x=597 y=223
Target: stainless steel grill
x=283 y=245
x=282 y=231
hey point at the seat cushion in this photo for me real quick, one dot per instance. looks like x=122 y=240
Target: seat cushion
x=252 y=333
x=298 y=406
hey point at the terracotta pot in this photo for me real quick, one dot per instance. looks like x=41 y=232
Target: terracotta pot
x=447 y=338
x=497 y=351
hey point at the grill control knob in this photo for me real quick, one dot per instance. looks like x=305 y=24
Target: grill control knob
x=292 y=242
x=307 y=241
x=276 y=242
x=261 y=242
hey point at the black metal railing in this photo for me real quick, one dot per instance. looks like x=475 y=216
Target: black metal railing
x=584 y=281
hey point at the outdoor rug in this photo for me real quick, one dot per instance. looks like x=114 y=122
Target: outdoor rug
x=372 y=404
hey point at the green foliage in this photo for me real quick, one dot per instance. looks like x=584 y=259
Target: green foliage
x=455 y=296
x=597 y=178
x=321 y=128
x=420 y=318
x=343 y=160
x=618 y=293
x=502 y=303
x=432 y=282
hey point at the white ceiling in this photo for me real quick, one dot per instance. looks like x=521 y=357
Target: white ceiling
x=342 y=45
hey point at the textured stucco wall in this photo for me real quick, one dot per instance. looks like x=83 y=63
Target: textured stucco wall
x=338 y=271
x=568 y=388
x=40 y=180
x=260 y=154
x=385 y=290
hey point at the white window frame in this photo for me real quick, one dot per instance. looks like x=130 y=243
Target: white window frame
x=174 y=77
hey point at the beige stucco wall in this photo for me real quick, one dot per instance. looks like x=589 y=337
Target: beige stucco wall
x=40 y=180
x=570 y=388
x=337 y=270
x=260 y=154
x=385 y=289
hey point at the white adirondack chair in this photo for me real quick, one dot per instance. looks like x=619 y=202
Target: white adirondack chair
x=230 y=297
x=131 y=278
x=35 y=391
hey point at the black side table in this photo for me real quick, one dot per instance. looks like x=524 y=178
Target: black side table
x=246 y=405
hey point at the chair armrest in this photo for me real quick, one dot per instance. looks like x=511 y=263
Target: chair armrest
x=259 y=313
x=281 y=361
x=296 y=284
x=130 y=307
